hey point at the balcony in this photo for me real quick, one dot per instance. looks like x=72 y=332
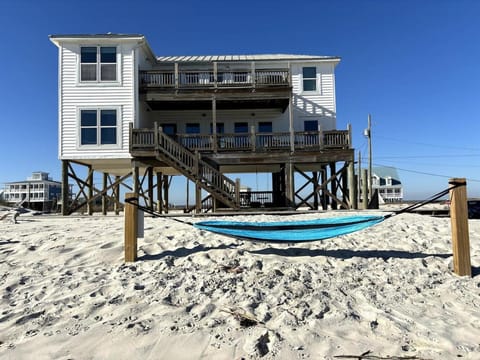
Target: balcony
x=212 y=79
x=143 y=140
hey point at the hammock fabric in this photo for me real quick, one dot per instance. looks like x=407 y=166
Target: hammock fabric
x=291 y=231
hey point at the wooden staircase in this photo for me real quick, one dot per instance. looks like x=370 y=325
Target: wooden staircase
x=194 y=168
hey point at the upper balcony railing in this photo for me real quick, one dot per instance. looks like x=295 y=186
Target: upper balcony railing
x=212 y=79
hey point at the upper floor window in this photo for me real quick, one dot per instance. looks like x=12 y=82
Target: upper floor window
x=98 y=63
x=309 y=78
x=98 y=127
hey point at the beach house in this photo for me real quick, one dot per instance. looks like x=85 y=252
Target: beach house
x=140 y=119
x=38 y=192
x=387 y=181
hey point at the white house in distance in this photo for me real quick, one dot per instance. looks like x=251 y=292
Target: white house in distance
x=127 y=113
x=38 y=192
x=388 y=183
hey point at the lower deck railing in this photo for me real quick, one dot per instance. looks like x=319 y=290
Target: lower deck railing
x=144 y=140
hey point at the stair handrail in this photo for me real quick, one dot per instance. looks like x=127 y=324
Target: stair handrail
x=206 y=172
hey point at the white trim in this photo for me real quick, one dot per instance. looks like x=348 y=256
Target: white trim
x=97 y=146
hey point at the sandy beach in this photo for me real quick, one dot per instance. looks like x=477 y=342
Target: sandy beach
x=67 y=294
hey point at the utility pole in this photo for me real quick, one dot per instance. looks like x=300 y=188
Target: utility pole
x=368 y=134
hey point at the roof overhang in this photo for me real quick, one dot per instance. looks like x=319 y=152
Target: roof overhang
x=58 y=40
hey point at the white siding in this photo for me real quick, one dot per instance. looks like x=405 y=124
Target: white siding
x=76 y=95
x=227 y=117
x=318 y=105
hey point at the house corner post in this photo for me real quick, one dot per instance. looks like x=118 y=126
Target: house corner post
x=459 y=219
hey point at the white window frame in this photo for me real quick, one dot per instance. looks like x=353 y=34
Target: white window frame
x=318 y=85
x=119 y=127
x=98 y=81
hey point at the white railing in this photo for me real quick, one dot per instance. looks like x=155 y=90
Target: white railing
x=242 y=78
x=144 y=140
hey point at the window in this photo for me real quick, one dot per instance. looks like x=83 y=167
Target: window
x=241 y=141
x=241 y=127
x=98 y=63
x=220 y=128
x=98 y=127
x=309 y=79
x=310 y=125
x=170 y=129
x=265 y=127
x=192 y=128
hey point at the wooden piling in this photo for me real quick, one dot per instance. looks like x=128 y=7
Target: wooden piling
x=131 y=228
x=459 y=219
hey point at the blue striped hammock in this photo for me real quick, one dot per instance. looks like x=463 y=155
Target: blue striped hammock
x=291 y=231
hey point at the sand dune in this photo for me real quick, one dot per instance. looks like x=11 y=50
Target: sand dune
x=66 y=293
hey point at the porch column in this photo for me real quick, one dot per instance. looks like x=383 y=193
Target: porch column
x=333 y=190
x=116 y=190
x=214 y=121
x=290 y=114
x=165 y=192
x=90 y=191
x=104 y=196
x=135 y=178
x=289 y=185
x=198 y=198
x=290 y=124
x=159 y=193
x=150 y=187
x=323 y=195
x=352 y=193
x=344 y=189
x=315 y=189
x=65 y=188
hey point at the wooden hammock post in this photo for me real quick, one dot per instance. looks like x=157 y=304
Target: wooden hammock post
x=459 y=219
x=131 y=228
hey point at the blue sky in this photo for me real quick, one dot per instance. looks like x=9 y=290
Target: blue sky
x=412 y=64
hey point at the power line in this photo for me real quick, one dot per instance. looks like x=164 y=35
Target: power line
x=425 y=173
x=443 y=146
x=426 y=156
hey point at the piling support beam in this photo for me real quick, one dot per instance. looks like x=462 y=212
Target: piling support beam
x=65 y=189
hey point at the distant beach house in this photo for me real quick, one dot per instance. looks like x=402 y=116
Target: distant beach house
x=38 y=192
x=135 y=116
x=388 y=183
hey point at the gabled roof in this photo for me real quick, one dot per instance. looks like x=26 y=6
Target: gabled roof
x=385 y=172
